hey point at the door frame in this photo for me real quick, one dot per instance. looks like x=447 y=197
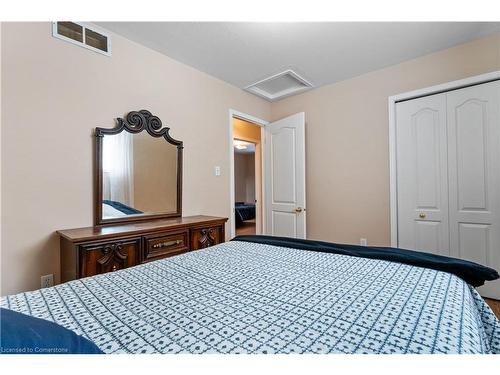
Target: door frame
x=256 y=121
x=392 y=101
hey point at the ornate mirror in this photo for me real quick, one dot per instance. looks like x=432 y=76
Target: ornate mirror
x=138 y=171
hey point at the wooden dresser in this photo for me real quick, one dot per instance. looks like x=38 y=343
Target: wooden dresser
x=94 y=250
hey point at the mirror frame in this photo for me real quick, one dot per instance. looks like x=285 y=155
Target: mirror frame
x=134 y=122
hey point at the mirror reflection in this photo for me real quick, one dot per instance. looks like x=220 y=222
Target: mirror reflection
x=139 y=175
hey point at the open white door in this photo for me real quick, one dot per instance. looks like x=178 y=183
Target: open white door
x=285 y=177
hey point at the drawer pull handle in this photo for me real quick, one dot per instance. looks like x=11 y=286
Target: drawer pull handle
x=166 y=244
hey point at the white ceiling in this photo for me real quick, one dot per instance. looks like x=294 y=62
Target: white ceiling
x=323 y=53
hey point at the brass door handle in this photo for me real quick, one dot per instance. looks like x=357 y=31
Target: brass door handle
x=298 y=209
x=421 y=215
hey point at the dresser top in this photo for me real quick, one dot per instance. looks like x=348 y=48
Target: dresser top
x=103 y=232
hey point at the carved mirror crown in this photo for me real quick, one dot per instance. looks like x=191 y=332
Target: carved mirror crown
x=138 y=174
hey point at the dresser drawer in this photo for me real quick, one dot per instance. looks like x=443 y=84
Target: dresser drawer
x=94 y=250
x=164 y=245
x=97 y=258
x=206 y=237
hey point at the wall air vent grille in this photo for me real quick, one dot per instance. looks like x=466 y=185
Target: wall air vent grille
x=83 y=35
x=279 y=86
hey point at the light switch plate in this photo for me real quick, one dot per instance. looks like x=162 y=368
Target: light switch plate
x=217 y=170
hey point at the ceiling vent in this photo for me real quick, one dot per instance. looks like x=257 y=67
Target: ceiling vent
x=279 y=86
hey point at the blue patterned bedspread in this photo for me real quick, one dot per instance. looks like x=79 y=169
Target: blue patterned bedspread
x=251 y=298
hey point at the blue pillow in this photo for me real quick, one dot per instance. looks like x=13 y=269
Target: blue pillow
x=24 y=334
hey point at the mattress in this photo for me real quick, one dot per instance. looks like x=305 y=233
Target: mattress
x=240 y=297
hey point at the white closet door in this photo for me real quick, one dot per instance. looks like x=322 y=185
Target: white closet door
x=422 y=174
x=474 y=183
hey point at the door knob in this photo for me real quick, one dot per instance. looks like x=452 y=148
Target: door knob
x=298 y=209
x=421 y=215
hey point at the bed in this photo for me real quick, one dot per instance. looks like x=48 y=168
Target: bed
x=243 y=212
x=248 y=297
x=112 y=209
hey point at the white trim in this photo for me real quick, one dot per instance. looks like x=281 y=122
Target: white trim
x=257 y=121
x=85 y=25
x=246 y=117
x=392 y=100
x=262 y=179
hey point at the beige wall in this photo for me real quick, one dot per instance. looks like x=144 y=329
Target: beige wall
x=246 y=130
x=155 y=174
x=240 y=174
x=54 y=94
x=1 y=89
x=244 y=177
x=347 y=158
x=250 y=178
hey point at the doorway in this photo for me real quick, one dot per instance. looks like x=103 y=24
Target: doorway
x=247 y=177
x=246 y=140
x=280 y=185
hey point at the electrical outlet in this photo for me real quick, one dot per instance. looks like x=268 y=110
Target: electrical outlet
x=217 y=170
x=47 y=281
x=363 y=242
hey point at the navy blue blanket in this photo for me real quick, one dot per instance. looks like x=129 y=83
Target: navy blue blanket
x=244 y=212
x=473 y=273
x=24 y=334
x=127 y=210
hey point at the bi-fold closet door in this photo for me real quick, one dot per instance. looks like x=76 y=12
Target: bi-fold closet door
x=448 y=175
